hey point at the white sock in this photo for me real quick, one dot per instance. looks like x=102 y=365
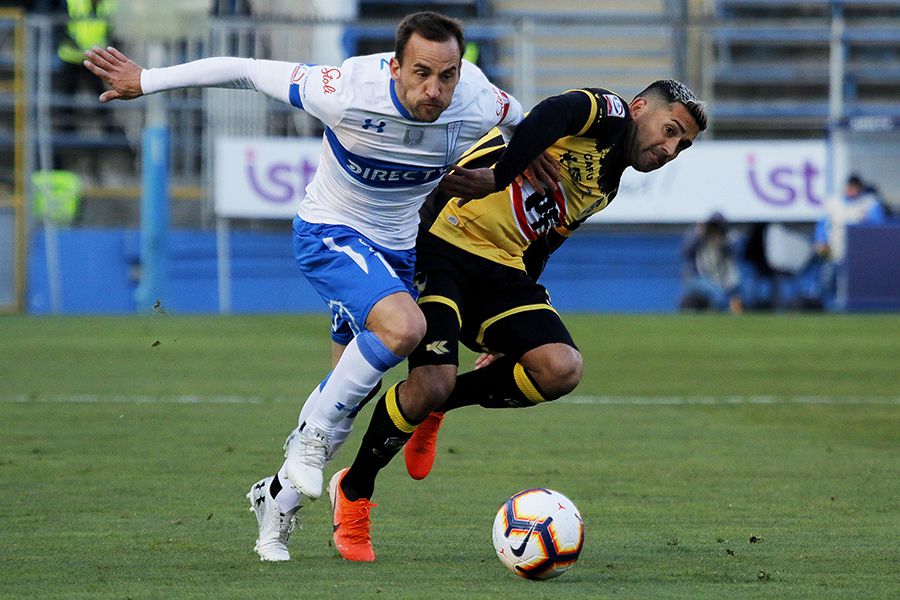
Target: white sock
x=307 y=407
x=363 y=363
x=341 y=431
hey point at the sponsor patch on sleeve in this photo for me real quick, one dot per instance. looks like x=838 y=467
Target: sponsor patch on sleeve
x=330 y=75
x=614 y=106
x=502 y=104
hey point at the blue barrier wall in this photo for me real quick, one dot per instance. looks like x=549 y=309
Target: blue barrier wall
x=616 y=272
x=603 y=272
x=94 y=272
x=99 y=272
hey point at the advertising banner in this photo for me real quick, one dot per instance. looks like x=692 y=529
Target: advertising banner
x=263 y=178
x=744 y=180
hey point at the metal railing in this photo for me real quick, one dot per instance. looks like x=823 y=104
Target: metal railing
x=13 y=234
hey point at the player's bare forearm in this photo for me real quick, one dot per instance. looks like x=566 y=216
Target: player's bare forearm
x=467 y=184
x=118 y=71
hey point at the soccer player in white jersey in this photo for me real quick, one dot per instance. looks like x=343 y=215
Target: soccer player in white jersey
x=394 y=124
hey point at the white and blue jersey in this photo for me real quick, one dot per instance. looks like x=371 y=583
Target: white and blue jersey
x=377 y=166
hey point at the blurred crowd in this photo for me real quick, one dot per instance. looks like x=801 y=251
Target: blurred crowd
x=771 y=266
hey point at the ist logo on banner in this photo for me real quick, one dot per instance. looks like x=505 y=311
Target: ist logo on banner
x=785 y=183
x=263 y=177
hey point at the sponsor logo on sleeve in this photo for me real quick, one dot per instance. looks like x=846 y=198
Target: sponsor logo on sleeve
x=329 y=74
x=502 y=103
x=614 y=106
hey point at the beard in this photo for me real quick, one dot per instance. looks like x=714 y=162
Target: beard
x=647 y=161
x=427 y=114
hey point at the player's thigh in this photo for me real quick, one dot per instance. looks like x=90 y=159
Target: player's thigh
x=509 y=313
x=440 y=300
x=350 y=272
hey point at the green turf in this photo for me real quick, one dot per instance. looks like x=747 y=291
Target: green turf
x=116 y=485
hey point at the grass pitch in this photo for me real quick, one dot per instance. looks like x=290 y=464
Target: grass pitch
x=711 y=457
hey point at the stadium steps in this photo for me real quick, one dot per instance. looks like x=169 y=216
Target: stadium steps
x=770 y=66
x=576 y=47
x=568 y=8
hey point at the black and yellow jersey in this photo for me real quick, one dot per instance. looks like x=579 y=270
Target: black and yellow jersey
x=585 y=131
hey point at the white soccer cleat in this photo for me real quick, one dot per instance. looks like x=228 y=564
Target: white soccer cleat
x=275 y=527
x=305 y=455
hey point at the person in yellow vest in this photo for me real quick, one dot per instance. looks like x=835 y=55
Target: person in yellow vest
x=87 y=26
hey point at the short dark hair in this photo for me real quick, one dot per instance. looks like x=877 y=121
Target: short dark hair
x=432 y=26
x=716 y=224
x=672 y=90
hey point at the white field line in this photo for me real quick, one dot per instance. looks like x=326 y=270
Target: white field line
x=124 y=399
x=599 y=400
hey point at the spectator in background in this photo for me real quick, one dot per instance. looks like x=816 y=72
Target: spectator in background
x=885 y=212
x=859 y=204
x=87 y=26
x=712 y=277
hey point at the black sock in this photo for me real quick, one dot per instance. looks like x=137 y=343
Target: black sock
x=388 y=431
x=502 y=384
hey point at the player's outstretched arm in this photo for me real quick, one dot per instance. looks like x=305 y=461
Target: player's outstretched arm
x=128 y=80
x=118 y=71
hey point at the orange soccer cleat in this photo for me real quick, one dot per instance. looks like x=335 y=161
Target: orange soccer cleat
x=351 y=523
x=422 y=446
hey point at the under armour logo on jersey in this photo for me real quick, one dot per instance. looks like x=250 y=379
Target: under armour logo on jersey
x=438 y=347
x=379 y=126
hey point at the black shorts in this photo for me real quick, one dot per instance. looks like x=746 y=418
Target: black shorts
x=483 y=304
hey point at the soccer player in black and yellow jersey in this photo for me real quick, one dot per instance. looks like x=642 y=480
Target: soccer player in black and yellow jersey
x=478 y=261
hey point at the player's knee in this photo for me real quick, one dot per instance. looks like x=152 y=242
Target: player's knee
x=411 y=332
x=560 y=373
x=403 y=333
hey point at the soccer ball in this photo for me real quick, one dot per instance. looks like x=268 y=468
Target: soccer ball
x=538 y=534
